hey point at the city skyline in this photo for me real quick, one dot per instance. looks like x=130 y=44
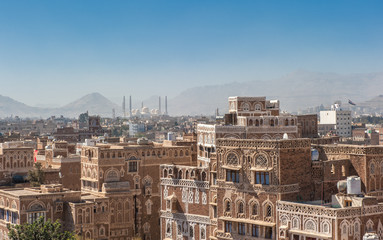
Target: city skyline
x=70 y=49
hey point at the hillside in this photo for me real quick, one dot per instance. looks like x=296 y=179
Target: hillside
x=9 y=106
x=94 y=103
x=374 y=105
x=297 y=90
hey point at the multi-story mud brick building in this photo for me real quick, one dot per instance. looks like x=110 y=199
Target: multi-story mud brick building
x=272 y=188
x=16 y=159
x=248 y=118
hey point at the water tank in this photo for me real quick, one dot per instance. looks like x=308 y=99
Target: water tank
x=285 y=136
x=314 y=154
x=142 y=141
x=353 y=185
x=342 y=186
x=370 y=236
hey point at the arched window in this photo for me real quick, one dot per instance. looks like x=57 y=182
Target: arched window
x=286 y=122
x=356 y=227
x=261 y=161
x=245 y=107
x=240 y=207
x=87 y=215
x=203 y=176
x=372 y=168
x=79 y=216
x=232 y=159
x=203 y=233
x=254 y=209
x=295 y=224
x=227 y=206
x=102 y=231
x=112 y=176
x=257 y=107
x=256 y=122
x=310 y=226
x=272 y=122
x=149 y=205
x=269 y=211
x=332 y=169
x=168 y=228
x=250 y=123
x=326 y=228
x=369 y=226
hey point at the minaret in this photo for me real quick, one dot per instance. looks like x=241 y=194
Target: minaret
x=130 y=106
x=166 y=105
x=123 y=107
x=159 y=105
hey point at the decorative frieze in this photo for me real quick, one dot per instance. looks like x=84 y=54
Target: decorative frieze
x=184 y=183
x=186 y=217
x=264 y=144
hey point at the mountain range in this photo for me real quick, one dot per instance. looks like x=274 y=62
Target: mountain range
x=297 y=90
x=94 y=103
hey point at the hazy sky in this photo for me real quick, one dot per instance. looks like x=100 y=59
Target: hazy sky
x=52 y=52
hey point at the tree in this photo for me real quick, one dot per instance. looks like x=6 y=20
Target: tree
x=36 y=176
x=39 y=230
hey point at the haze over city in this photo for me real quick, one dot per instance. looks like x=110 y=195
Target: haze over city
x=191 y=120
x=54 y=52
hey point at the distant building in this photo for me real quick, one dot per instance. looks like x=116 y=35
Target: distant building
x=337 y=119
x=135 y=128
